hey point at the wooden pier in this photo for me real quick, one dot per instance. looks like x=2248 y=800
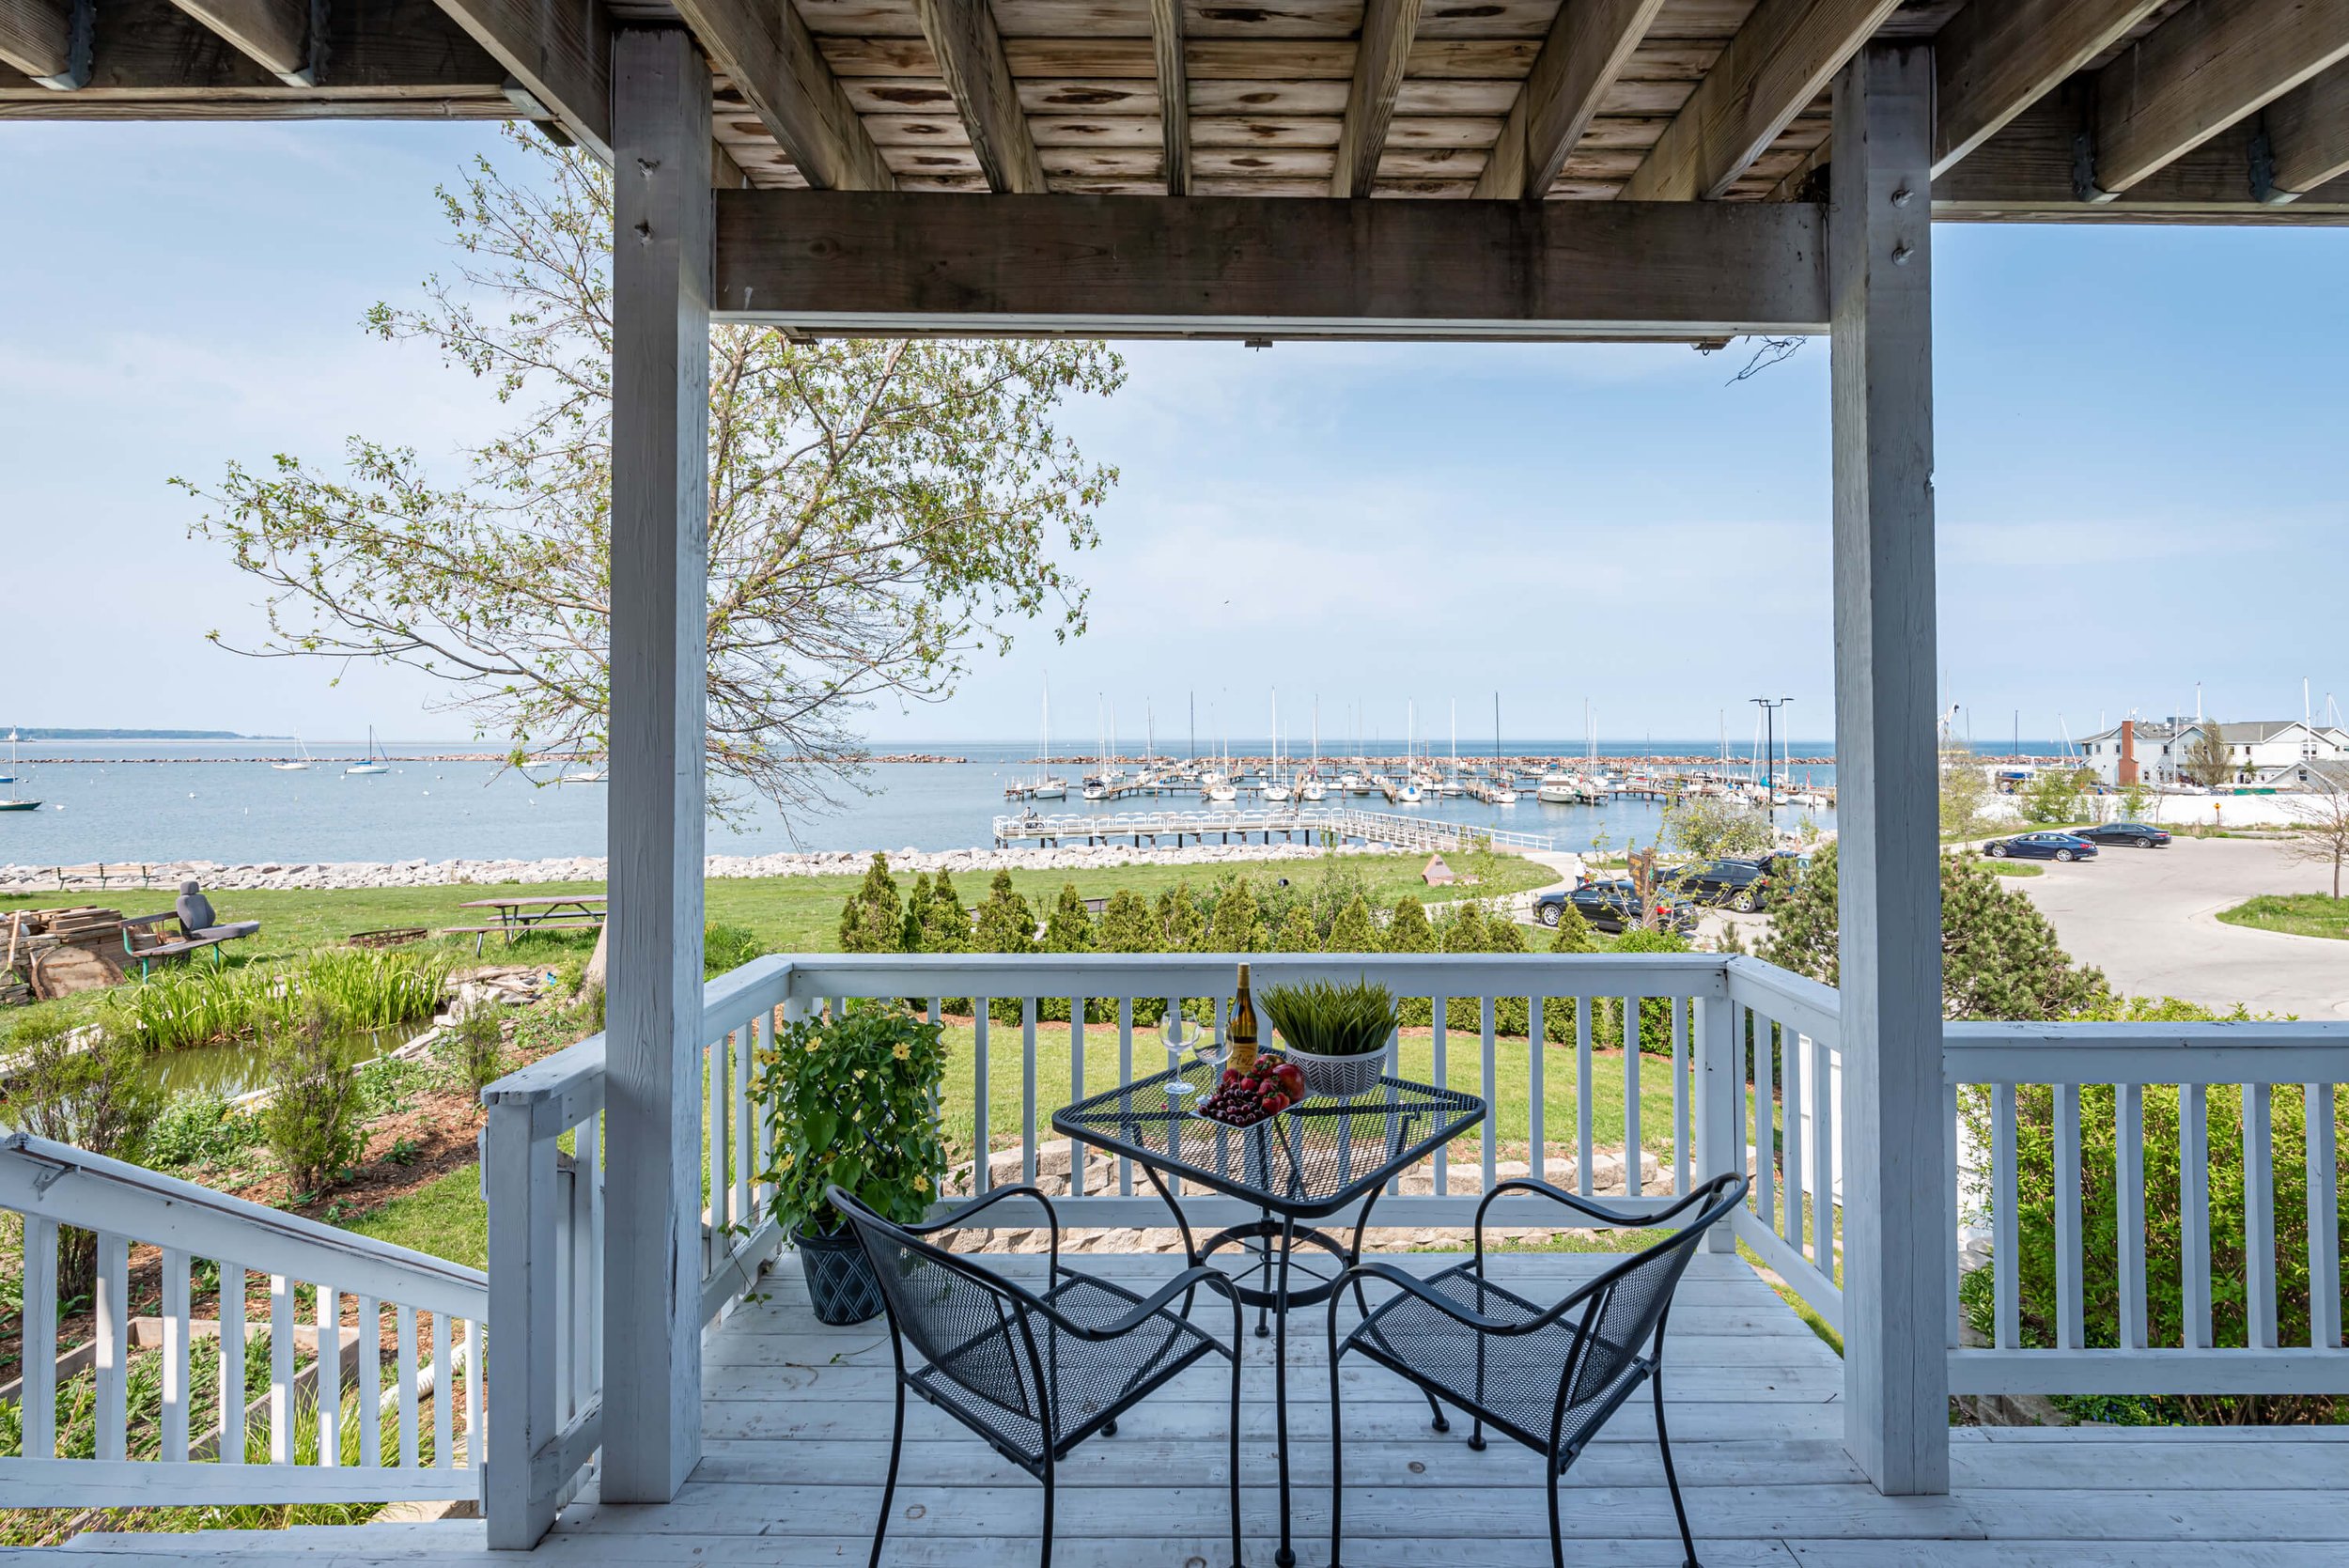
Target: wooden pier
x=1292 y=825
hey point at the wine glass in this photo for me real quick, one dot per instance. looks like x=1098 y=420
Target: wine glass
x=1179 y=1035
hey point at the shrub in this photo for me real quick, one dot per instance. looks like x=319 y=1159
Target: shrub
x=848 y=1102
x=1068 y=929
x=945 y=924
x=474 y=1048
x=312 y=1118
x=1236 y=925
x=1127 y=926
x=1410 y=931
x=1705 y=826
x=726 y=948
x=1181 y=927
x=1351 y=929
x=198 y=1131
x=872 y=920
x=1005 y=925
x=89 y=1092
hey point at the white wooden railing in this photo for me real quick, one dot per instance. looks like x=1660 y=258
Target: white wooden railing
x=292 y=1444
x=2022 y=1080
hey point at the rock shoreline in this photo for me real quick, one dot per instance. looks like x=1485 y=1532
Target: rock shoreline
x=352 y=874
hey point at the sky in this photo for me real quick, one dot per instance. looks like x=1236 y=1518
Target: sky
x=2139 y=438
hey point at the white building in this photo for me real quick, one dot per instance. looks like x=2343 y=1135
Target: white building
x=2267 y=752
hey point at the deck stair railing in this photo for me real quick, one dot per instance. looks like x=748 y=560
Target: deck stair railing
x=346 y=1412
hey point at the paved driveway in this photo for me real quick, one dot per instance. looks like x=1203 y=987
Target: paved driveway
x=2148 y=918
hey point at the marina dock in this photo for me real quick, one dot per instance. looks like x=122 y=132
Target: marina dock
x=1295 y=825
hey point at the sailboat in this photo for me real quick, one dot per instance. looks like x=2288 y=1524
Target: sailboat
x=1275 y=792
x=1311 y=789
x=290 y=765
x=1450 y=782
x=1504 y=794
x=1047 y=787
x=377 y=762
x=14 y=802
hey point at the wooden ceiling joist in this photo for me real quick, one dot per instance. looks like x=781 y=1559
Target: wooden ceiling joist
x=970 y=54
x=2203 y=69
x=558 y=52
x=2308 y=135
x=1589 y=44
x=767 y=51
x=1388 y=30
x=1778 y=62
x=276 y=34
x=49 y=41
x=1166 y=41
x=1996 y=58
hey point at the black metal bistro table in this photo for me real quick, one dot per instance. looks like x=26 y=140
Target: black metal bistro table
x=1309 y=1162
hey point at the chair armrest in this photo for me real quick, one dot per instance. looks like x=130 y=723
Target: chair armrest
x=1412 y=1284
x=1581 y=1206
x=1022 y=1189
x=1189 y=1280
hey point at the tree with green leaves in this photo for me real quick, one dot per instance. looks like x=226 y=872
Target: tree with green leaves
x=1409 y=930
x=917 y=905
x=1965 y=791
x=1181 y=927
x=1352 y=930
x=879 y=513
x=1706 y=826
x=945 y=924
x=1006 y=923
x=1461 y=929
x=2208 y=761
x=2000 y=957
x=1236 y=925
x=1068 y=929
x=873 y=921
x=1128 y=925
x=2054 y=795
x=1295 y=933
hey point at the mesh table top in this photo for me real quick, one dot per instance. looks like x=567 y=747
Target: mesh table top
x=1309 y=1161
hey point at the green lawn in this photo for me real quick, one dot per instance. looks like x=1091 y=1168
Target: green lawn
x=2012 y=868
x=2301 y=914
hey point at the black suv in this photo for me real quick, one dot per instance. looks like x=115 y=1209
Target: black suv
x=1612 y=907
x=1743 y=885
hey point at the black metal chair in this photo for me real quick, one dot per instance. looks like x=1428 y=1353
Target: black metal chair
x=1033 y=1374
x=1524 y=1369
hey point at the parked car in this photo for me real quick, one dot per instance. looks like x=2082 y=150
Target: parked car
x=2140 y=835
x=1612 y=907
x=2041 y=846
x=1743 y=885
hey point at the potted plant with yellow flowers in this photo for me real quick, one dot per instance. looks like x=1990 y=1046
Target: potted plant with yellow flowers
x=848 y=1100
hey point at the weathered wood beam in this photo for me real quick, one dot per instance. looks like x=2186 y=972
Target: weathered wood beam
x=1779 y=61
x=1243 y=267
x=768 y=53
x=2026 y=174
x=1589 y=43
x=49 y=41
x=276 y=34
x=2203 y=69
x=1387 y=28
x=1166 y=42
x=969 y=50
x=559 y=51
x=1995 y=59
x=2308 y=135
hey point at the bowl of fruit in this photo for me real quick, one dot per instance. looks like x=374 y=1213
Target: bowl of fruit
x=1242 y=1099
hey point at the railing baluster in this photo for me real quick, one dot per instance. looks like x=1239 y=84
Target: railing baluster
x=1631 y=1160
x=716 y=1243
x=368 y=1379
x=233 y=1392
x=980 y=1162
x=1950 y=1210
x=281 y=1370
x=1441 y=1158
x=1823 y=1153
x=1489 y=1135
x=443 y=1391
x=1585 y=1158
x=2194 y=1211
x=475 y=1412
x=589 y=1161
x=38 y=1341
x=1394 y=1069
x=2069 y=1307
x=326 y=1375
x=1790 y=1096
x=1537 y=1048
x=566 y=1300
x=405 y=1330
x=1125 y=1077
x=1075 y=1091
x=114 y=1342
x=175 y=1309
x=1761 y=1032
x=2128 y=1127
x=1027 y=1089
x=745 y=1132
x=2259 y=1218
x=1680 y=1095
x=2006 y=1226
x=2323 y=1179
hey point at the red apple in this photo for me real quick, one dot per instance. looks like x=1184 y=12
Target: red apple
x=1231 y=1076
x=1292 y=1080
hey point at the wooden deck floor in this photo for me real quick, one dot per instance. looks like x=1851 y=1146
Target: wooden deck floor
x=797 y=1442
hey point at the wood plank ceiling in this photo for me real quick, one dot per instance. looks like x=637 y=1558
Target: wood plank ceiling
x=2046 y=104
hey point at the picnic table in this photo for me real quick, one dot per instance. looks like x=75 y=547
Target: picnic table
x=519 y=917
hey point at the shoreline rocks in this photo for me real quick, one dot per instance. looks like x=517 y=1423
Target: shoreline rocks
x=352 y=874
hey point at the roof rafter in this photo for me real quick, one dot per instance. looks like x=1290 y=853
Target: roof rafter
x=49 y=41
x=2308 y=134
x=1777 y=64
x=275 y=34
x=558 y=52
x=2203 y=69
x=969 y=50
x=1996 y=58
x=1387 y=28
x=1589 y=43
x=770 y=57
x=1166 y=40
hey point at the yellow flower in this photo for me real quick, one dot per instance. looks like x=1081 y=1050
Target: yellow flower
x=811 y=1048
x=770 y=1058
x=921 y=1183
x=902 y=1051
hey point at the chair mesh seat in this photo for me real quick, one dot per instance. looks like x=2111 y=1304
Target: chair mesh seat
x=983 y=1376
x=1518 y=1387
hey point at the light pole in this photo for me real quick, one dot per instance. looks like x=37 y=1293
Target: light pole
x=1769 y=707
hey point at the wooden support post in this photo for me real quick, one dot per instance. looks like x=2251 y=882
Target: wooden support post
x=1895 y=1236
x=660 y=279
